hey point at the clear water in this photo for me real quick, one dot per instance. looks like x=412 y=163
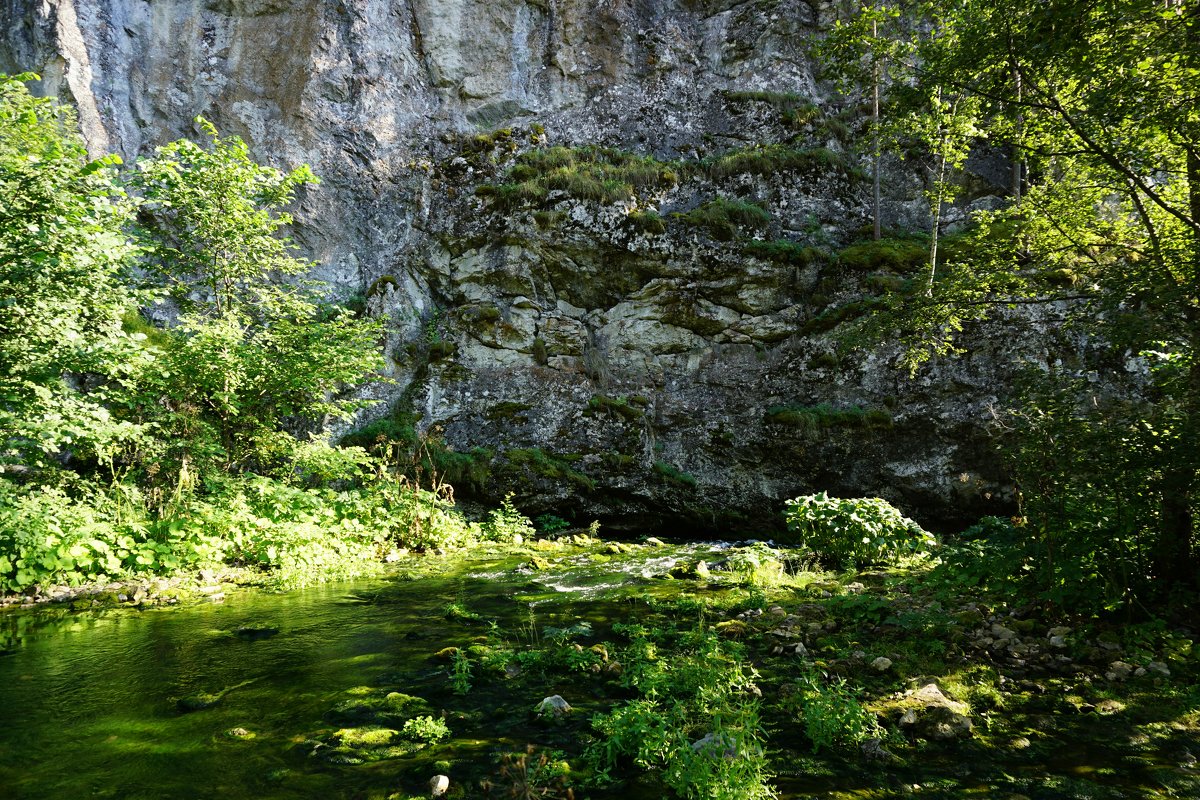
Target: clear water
x=88 y=700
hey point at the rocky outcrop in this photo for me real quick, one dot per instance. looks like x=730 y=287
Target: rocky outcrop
x=606 y=232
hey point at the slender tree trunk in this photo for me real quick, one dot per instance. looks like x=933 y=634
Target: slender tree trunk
x=875 y=159
x=1175 y=558
x=939 y=194
x=1018 y=161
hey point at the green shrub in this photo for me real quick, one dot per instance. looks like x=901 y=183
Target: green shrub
x=599 y=174
x=723 y=217
x=811 y=420
x=772 y=158
x=425 y=729
x=694 y=724
x=784 y=251
x=857 y=531
x=673 y=474
x=550 y=524
x=506 y=524
x=757 y=565
x=832 y=715
x=898 y=255
x=648 y=221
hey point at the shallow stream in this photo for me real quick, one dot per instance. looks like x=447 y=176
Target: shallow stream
x=91 y=700
x=241 y=698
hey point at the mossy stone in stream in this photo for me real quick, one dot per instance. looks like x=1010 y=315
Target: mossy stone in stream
x=350 y=746
x=197 y=702
x=400 y=702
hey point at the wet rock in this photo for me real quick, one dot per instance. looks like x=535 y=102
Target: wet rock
x=1158 y=669
x=553 y=706
x=438 y=786
x=1002 y=633
x=654 y=541
x=1118 y=671
x=873 y=750
x=197 y=702
x=929 y=714
x=716 y=745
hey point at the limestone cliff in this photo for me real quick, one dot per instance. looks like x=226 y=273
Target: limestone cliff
x=606 y=231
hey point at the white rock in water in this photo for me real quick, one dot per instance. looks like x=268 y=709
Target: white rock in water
x=554 y=705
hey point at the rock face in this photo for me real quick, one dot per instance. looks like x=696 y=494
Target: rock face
x=645 y=331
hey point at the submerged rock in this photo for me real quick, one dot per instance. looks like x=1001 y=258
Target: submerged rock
x=252 y=634
x=197 y=702
x=928 y=714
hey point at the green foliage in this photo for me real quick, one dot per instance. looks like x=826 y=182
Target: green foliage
x=549 y=524
x=506 y=524
x=1103 y=211
x=757 y=565
x=62 y=257
x=784 y=251
x=460 y=672
x=899 y=255
x=724 y=217
x=854 y=532
x=673 y=474
x=769 y=159
x=425 y=729
x=831 y=713
x=701 y=692
x=548 y=465
x=647 y=221
x=812 y=420
x=214 y=218
x=598 y=174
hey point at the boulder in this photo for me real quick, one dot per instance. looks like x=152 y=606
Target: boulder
x=929 y=714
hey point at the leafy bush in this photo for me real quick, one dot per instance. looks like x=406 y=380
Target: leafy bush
x=550 y=524
x=599 y=174
x=772 y=158
x=695 y=722
x=507 y=524
x=425 y=729
x=723 y=217
x=857 y=531
x=757 y=565
x=814 y=419
x=831 y=714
